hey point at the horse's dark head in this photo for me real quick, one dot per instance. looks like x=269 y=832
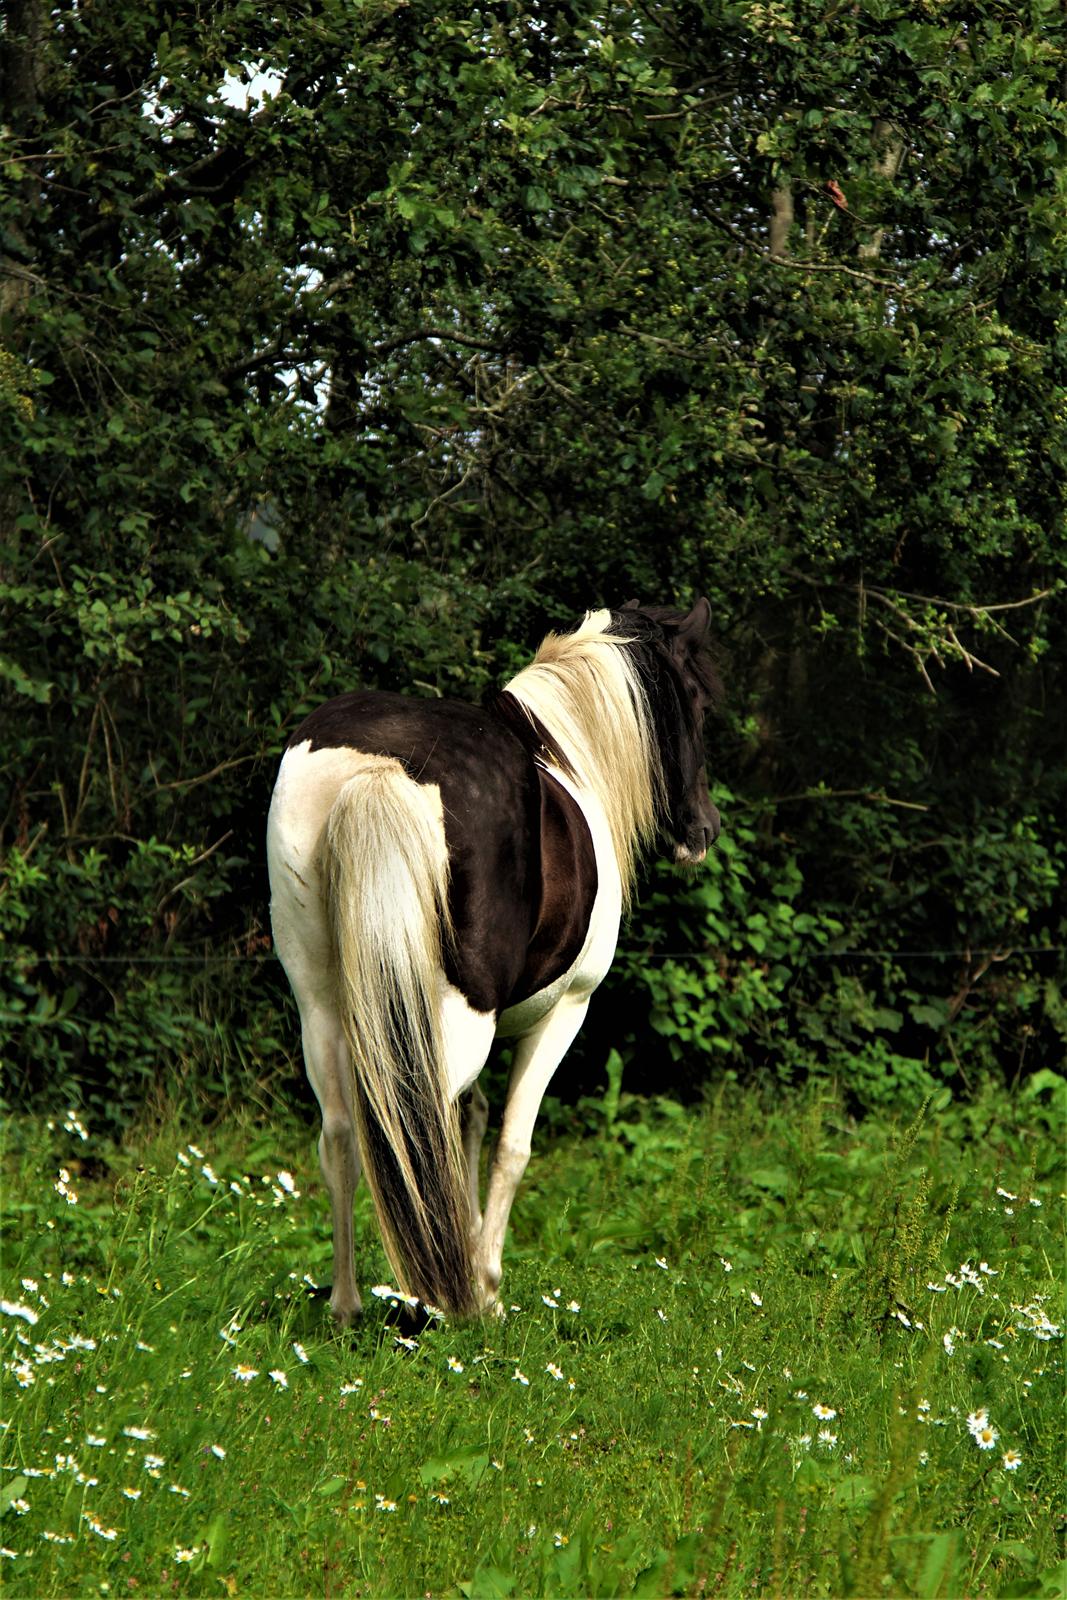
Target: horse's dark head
x=680 y=680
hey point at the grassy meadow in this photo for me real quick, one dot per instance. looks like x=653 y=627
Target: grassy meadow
x=754 y=1348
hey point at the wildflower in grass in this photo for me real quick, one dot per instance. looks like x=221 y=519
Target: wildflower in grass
x=382 y=1504
x=62 y=1186
x=376 y=1416
x=990 y=1272
x=938 y=1288
x=572 y=1305
x=520 y=1377
x=1011 y=1460
x=98 y=1527
x=19 y=1506
x=277 y=1376
x=977 y=1420
x=30 y=1285
x=800 y=1394
x=235 y=1187
x=727 y=1266
x=948 y=1342
x=924 y=1456
x=1005 y=1194
x=185 y=1555
x=217 y=1450
x=548 y=1301
x=986 y=1437
x=152 y=1465
x=57 y=1538
x=350 y=1388
x=23 y=1373
x=132 y=1494
x=760 y=1415
x=300 y=1353
x=901 y=1317
x=660 y=1262
x=662 y=1315
x=406 y=1343
x=176 y=1488
x=244 y=1373
x=454 y=1365
x=8 y=1555
x=554 y=1371
x=560 y=1539
x=827 y=1438
x=285 y=1181
x=995 y=1343
x=824 y=1413
x=182 y=1158
x=754 y=1297
x=73 y=1124
x=1034 y=1201
x=139 y=1433
x=96 y=1440
x=441 y=1499
x=207 y=1171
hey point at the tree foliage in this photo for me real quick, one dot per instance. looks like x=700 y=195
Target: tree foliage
x=478 y=318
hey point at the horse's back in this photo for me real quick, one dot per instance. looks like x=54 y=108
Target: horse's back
x=522 y=867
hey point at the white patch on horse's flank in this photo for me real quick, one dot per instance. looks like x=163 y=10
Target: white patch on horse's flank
x=309 y=782
x=597 y=953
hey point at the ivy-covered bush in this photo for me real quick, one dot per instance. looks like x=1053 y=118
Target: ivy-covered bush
x=360 y=343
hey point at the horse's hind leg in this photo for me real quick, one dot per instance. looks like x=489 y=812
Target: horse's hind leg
x=475 y=1122
x=328 y=1069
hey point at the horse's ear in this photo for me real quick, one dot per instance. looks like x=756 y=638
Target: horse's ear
x=630 y=605
x=693 y=629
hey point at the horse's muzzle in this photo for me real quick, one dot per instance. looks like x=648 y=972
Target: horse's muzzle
x=700 y=838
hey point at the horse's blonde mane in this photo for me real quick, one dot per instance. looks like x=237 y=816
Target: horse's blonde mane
x=586 y=690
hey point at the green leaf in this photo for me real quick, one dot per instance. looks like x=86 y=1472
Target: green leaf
x=13 y=1489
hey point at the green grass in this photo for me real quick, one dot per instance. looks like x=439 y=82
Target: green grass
x=718 y=1274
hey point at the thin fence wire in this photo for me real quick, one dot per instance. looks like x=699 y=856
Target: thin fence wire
x=71 y=958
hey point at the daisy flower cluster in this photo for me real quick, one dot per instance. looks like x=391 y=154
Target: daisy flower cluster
x=986 y=1436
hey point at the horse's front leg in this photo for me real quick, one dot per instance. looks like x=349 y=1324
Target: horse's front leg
x=537 y=1055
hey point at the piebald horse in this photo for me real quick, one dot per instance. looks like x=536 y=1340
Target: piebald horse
x=443 y=874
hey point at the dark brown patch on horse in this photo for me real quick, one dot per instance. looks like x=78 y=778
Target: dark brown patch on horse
x=523 y=874
x=568 y=890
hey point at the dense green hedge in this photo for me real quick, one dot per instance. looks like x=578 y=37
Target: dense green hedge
x=482 y=319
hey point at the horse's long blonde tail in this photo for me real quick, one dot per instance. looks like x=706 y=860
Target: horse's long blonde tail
x=385 y=877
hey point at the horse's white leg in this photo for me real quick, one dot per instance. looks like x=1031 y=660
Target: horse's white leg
x=475 y=1122
x=537 y=1055
x=326 y=1059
